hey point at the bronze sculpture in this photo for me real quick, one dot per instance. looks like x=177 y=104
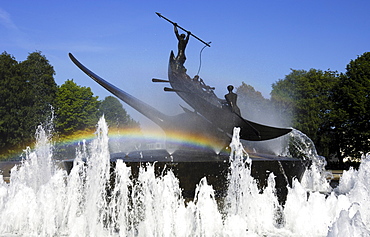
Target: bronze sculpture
x=211 y=117
x=231 y=99
x=181 y=45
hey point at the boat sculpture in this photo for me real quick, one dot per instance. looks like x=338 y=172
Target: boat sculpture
x=212 y=117
x=217 y=112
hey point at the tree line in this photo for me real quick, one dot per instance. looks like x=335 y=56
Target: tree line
x=30 y=96
x=332 y=108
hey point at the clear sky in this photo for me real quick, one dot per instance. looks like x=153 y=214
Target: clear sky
x=125 y=42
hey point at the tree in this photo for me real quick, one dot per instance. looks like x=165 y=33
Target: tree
x=76 y=108
x=9 y=87
x=27 y=90
x=114 y=113
x=38 y=74
x=351 y=117
x=40 y=91
x=305 y=95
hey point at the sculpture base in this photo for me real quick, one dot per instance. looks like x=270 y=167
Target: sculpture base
x=191 y=166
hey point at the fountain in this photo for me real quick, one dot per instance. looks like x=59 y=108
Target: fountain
x=44 y=200
x=212 y=120
x=182 y=192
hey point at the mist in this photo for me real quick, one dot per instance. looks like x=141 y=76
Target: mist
x=261 y=110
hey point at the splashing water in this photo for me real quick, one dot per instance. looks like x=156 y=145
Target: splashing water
x=315 y=178
x=92 y=200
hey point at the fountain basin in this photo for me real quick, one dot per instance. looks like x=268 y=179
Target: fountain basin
x=191 y=166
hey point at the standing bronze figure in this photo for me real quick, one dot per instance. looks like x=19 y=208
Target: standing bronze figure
x=181 y=45
x=231 y=98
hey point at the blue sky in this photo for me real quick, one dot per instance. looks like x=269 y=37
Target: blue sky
x=125 y=42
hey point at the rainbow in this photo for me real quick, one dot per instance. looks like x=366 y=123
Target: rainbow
x=174 y=138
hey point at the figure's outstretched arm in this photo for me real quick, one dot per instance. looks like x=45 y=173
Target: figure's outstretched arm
x=188 y=36
x=176 y=31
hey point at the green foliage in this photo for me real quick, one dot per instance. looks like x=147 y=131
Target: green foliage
x=27 y=91
x=38 y=73
x=10 y=82
x=39 y=96
x=114 y=113
x=351 y=117
x=28 y=94
x=305 y=96
x=76 y=108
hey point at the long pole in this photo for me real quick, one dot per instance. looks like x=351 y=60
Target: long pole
x=160 y=15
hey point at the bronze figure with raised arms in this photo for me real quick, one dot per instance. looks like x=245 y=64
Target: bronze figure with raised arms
x=183 y=41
